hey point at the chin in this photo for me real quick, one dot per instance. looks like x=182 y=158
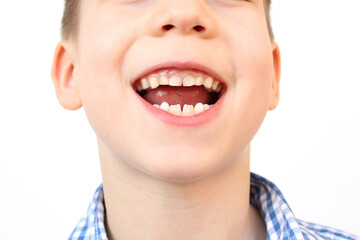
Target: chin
x=183 y=168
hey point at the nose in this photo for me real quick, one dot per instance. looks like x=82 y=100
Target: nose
x=185 y=17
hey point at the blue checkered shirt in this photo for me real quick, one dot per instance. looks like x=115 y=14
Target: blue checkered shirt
x=280 y=220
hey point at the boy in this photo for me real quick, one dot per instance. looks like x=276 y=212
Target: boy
x=175 y=91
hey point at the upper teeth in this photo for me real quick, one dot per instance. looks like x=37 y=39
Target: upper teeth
x=155 y=81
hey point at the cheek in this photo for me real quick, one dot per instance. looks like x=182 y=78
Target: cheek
x=99 y=100
x=253 y=89
x=101 y=87
x=253 y=68
x=103 y=40
x=102 y=47
x=252 y=57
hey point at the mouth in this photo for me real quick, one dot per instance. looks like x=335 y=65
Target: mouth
x=183 y=93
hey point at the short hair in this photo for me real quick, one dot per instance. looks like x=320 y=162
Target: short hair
x=267 y=6
x=70 y=19
x=69 y=23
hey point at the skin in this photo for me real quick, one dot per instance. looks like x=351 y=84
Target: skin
x=177 y=182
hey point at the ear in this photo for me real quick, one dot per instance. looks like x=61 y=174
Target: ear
x=63 y=74
x=275 y=76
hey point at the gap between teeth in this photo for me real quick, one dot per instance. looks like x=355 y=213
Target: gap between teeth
x=153 y=82
x=187 y=111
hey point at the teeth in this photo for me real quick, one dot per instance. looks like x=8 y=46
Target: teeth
x=218 y=89
x=208 y=82
x=175 y=109
x=164 y=80
x=189 y=81
x=144 y=83
x=214 y=85
x=175 y=81
x=165 y=106
x=199 y=108
x=188 y=110
x=154 y=83
x=199 y=81
x=139 y=86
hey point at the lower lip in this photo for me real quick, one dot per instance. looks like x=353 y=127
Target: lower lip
x=195 y=120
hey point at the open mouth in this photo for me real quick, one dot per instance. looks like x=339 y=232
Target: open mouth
x=180 y=92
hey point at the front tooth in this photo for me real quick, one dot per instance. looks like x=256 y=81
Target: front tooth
x=199 y=81
x=144 y=83
x=208 y=82
x=214 y=85
x=175 y=109
x=175 y=81
x=154 y=83
x=165 y=106
x=164 y=80
x=188 y=110
x=199 y=108
x=156 y=105
x=189 y=81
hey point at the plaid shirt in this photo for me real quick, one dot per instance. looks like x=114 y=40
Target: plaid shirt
x=280 y=221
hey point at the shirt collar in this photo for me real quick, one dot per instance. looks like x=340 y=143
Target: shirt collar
x=280 y=220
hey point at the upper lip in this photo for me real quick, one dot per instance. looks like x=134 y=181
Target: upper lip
x=181 y=66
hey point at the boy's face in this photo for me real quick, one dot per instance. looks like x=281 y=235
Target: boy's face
x=121 y=41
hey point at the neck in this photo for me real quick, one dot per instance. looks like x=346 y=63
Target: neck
x=139 y=206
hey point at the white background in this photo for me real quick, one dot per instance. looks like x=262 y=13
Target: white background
x=309 y=146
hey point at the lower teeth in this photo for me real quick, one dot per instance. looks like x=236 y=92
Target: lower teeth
x=187 y=111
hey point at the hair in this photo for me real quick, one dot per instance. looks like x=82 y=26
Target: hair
x=267 y=4
x=69 y=23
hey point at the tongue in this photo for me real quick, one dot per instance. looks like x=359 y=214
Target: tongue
x=178 y=95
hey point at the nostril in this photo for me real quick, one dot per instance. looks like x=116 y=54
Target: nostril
x=167 y=27
x=199 y=28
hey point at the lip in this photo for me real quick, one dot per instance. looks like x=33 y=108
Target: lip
x=195 y=120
